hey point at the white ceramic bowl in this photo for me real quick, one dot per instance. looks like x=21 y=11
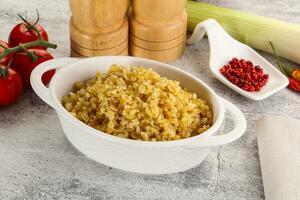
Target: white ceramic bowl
x=131 y=155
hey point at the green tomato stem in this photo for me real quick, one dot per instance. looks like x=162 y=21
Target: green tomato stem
x=32 y=26
x=21 y=47
x=31 y=55
x=4 y=72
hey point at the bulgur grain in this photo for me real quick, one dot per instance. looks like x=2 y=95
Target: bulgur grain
x=139 y=104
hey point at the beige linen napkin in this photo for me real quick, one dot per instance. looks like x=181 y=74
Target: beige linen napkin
x=278 y=141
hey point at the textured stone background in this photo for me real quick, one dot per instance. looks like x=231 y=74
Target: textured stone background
x=37 y=161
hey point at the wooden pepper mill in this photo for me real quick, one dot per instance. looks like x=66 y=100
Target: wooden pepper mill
x=98 y=27
x=158 y=29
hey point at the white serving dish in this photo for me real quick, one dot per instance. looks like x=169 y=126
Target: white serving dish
x=130 y=155
x=223 y=48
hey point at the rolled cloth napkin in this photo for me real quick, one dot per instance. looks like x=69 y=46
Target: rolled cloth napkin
x=278 y=141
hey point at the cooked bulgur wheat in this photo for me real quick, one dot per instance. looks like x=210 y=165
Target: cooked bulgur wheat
x=139 y=104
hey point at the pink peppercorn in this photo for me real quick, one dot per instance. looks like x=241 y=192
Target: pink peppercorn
x=245 y=75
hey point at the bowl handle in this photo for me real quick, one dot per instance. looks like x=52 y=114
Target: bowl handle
x=36 y=76
x=239 y=129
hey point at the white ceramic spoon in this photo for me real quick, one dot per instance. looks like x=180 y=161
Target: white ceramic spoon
x=223 y=48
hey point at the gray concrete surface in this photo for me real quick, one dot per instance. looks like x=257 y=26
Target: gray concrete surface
x=37 y=161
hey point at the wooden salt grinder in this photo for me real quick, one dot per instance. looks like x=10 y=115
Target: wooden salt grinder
x=158 y=29
x=98 y=27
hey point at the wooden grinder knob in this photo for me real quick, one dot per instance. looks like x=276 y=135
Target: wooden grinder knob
x=158 y=29
x=98 y=27
x=157 y=12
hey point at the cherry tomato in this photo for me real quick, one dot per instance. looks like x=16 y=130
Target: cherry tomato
x=21 y=34
x=11 y=87
x=6 y=59
x=24 y=65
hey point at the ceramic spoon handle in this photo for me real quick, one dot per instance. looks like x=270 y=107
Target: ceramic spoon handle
x=213 y=30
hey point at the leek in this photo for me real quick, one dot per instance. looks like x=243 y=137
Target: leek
x=255 y=31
